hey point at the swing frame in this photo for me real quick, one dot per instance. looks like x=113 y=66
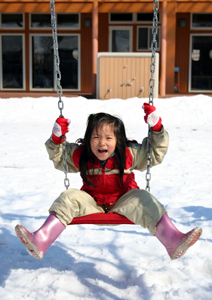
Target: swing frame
x=104 y=218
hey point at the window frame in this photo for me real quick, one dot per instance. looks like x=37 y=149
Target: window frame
x=31 y=64
x=54 y=68
x=148 y=22
x=199 y=28
x=134 y=20
x=114 y=27
x=23 y=62
x=12 y=28
x=122 y=22
x=190 y=90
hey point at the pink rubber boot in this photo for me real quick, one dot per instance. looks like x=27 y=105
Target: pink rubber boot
x=39 y=241
x=175 y=242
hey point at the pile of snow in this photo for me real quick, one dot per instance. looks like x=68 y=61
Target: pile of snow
x=102 y=263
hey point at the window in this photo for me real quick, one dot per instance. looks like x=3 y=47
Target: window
x=146 y=17
x=69 y=21
x=132 y=18
x=14 y=21
x=121 y=17
x=199 y=21
x=69 y=61
x=40 y=20
x=200 y=78
x=42 y=61
x=12 y=62
x=144 y=38
x=65 y=21
x=120 y=39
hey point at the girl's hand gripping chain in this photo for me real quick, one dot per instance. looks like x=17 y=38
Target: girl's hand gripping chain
x=60 y=128
x=152 y=118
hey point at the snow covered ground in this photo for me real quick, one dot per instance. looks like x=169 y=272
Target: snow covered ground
x=102 y=263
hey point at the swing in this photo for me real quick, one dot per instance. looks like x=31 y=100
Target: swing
x=103 y=218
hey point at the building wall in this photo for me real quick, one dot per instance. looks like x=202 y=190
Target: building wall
x=182 y=51
x=177 y=39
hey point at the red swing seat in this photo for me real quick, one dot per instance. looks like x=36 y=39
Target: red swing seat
x=102 y=218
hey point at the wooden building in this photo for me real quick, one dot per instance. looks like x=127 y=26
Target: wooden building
x=86 y=28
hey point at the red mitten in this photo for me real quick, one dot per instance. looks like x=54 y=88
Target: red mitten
x=60 y=128
x=152 y=118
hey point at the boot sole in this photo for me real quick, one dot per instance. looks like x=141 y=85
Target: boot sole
x=30 y=246
x=190 y=241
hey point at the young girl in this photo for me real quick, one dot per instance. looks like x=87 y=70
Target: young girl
x=105 y=160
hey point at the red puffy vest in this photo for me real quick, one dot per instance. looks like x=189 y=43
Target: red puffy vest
x=106 y=189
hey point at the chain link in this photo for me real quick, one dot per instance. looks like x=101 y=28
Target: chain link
x=151 y=85
x=59 y=87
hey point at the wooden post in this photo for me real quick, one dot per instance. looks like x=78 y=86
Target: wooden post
x=163 y=49
x=94 y=45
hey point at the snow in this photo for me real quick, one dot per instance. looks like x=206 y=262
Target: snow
x=105 y=262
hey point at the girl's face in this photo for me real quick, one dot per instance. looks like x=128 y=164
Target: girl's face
x=103 y=141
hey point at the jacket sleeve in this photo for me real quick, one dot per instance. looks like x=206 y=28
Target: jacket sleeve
x=160 y=142
x=55 y=154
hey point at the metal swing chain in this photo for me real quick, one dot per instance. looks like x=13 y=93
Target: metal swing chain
x=59 y=87
x=151 y=85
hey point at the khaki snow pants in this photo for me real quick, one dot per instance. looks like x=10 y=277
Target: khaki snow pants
x=139 y=206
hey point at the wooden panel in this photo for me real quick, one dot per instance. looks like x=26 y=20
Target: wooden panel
x=102 y=84
x=121 y=78
x=116 y=79
x=182 y=52
x=38 y=7
x=42 y=6
x=171 y=32
x=124 y=77
x=44 y=1
x=133 y=78
x=111 y=76
x=197 y=7
x=139 y=71
x=146 y=77
x=121 y=7
x=86 y=55
x=103 y=32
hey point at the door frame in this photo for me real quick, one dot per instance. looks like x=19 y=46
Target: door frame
x=190 y=64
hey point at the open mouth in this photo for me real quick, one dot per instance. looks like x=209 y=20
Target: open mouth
x=102 y=151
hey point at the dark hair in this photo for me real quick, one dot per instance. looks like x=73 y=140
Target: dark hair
x=93 y=122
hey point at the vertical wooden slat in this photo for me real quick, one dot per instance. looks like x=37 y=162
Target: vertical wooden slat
x=103 y=32
x=171 y=40
x=182 y=53
x=121 y=79
x=86 y=55
x=116 y=78
x=163 y=49
x=112 y=70
x=137 y=81
x=94 y=45
x=124 y=77
x=133 y=81
x=147 y=76
x=101 y=77
x=107 y=78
